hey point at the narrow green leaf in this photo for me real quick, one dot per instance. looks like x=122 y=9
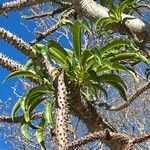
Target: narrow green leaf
x=97 y=53
x=114 y=67
x=86 y=25
x=115 y=42
x=23 y=73
x=48 y=114
x=16 y=107
x=31 y=107
x=100 y=87
x=77 y=38
x=113 y=78
x=34 y=93
x=56 y=51
x=40 y=133
x=56 y=45
x=24 y=131
x=93 y=75
x=129 y=56
x=120 y=89
x=89 y=62
x=28 y=64
x=100 y=21
x=85 y=56
x=56 y=55
x=38 y=47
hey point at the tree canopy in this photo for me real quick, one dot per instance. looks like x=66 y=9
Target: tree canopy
x=86 y=80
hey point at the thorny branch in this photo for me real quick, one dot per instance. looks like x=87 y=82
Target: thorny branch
x=17 y=119
x=52 y=29
x=43 y=35
x=9 y=63
x=46 y=14
x=134 y=96
x=26 y=49
x=119 y=139
x=125 y=104
x=18 y=4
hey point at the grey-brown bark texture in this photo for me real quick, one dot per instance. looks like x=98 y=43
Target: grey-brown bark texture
x=138 y=28
x=62 y=112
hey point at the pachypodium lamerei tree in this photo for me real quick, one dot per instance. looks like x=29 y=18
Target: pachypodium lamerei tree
x=74 y=82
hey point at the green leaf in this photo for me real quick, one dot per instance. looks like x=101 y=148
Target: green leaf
x=113 y=78
x=97 y=53
x=85 y=56
x=23 y=73
x=77 y=38
x=55 y=51
x=114 y=66
x=67 y=66
x=93 y=75
x=103 y=22
x=16 y=107
x=38 y=47
x=66 y=22
x=100 y=87
x=86 y=25
x=33 y=94
x=28 y=65
x=100 y=21
x=120 y=89
x=115 y=42
x=56 y=45
x=24 y=131
x=48 y=115
x=31 y=107
x=33 y=126
x=89 y=62
x=40 y=133
x=129 y=56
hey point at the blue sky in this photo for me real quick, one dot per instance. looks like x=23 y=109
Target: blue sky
x=13 y=24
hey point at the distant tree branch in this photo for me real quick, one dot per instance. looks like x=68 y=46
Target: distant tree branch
x=134 y=96
x=88 y=8
x=44 y=34
x=46 y=14
x=84 y=140
x=118 y=141
x=144 y=6
x=52 y=29
x=17 y=119
x=17 y=42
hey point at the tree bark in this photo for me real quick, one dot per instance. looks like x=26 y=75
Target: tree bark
x=139 y=28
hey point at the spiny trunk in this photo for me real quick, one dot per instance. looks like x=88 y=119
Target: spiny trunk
x=62 y=113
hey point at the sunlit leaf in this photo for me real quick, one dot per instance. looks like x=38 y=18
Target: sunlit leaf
x=48 y=115
x=23 y=73
x=76 y=31
x=24 y=126
x=113 y=78
x=40 y=134
x=115 y=42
